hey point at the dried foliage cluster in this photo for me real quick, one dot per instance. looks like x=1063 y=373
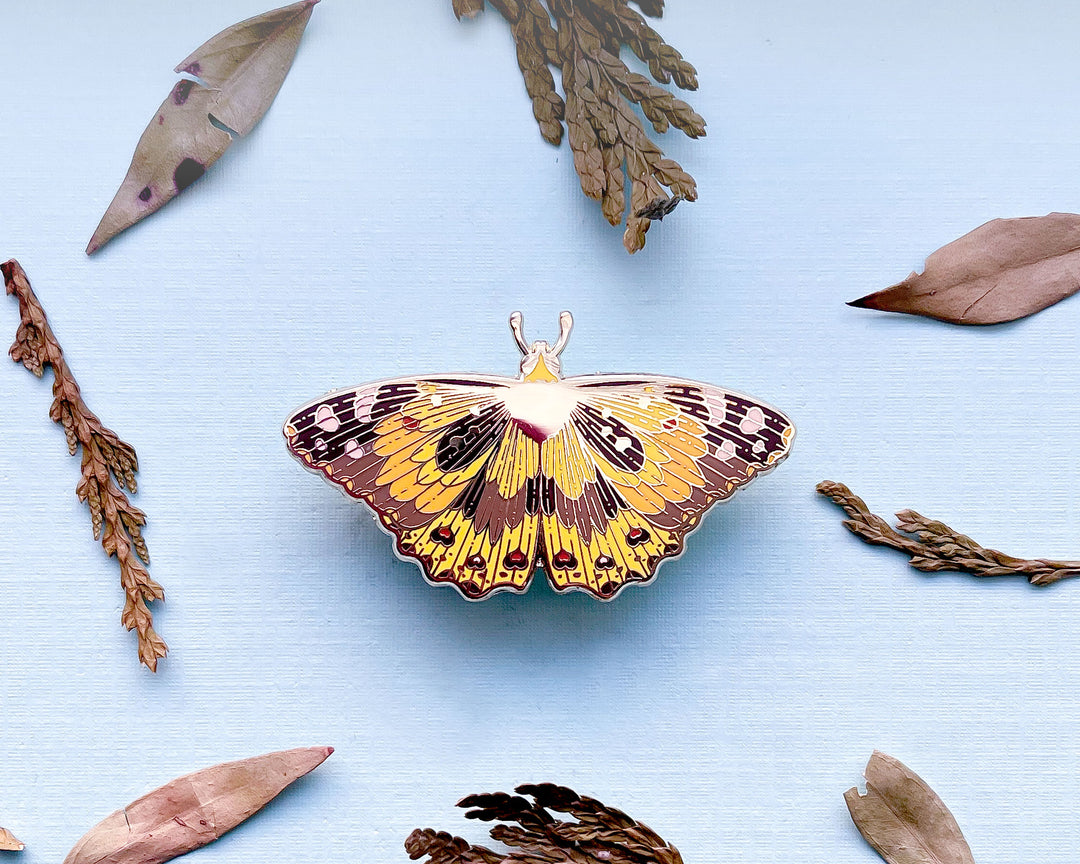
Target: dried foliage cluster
x=108 y=465
x=583 y=40
x=934 y=546
x=600 y=833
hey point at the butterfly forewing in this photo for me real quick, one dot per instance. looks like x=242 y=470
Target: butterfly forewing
x=419 y=452
x=664 y=450
x=480 y=477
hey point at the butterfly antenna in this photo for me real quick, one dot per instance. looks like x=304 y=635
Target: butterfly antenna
x=566 y=324
x=516 y=322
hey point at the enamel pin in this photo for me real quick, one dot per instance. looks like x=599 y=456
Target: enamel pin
x=595 y=478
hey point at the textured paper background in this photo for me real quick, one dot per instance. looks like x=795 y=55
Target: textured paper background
x=393 y=207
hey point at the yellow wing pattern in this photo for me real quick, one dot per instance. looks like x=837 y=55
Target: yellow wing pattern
x=479 y=497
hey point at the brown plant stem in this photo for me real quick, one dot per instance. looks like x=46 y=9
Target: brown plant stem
x=108 y=465
x=600 y=834
x=933 y=546
x=583 y=40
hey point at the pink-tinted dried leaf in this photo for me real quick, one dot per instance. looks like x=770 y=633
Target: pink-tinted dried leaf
x=193 y=810
x=8 y=842
x=244 y=67
x=903 y=818
x=1001 y=271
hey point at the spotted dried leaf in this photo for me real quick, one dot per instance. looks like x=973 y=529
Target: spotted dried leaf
x=1001 y=271
x=242 y=68
x=903 y=818
x=193 y=810
x=9 y=843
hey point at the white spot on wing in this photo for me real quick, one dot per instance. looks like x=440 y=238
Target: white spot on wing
x=362 y=407
x=326 y=419
x=353 y=449
x=436 y=399
x=726 y=451
x=753 y=422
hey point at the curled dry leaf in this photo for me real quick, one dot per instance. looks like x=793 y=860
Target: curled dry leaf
x=1001 y=271
x=242 y=69
x=8 y=842
x=933 y=546
x=193 y=810
x=903 y=818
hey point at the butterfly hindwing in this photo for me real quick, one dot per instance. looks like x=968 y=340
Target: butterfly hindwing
x=599 y=477
x=429 y=457
x=661 y=452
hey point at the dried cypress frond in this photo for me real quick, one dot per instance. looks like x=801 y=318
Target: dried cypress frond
x=933 y=546
x=108 y=466
x=601 y=834
x=583 y=38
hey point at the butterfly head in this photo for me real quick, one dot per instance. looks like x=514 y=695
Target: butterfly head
x=541 y=361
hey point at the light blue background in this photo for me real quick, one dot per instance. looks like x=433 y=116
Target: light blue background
x=396 y=203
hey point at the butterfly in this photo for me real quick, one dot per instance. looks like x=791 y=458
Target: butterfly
x=483 y=478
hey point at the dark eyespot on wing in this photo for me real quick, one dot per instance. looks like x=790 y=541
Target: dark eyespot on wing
x=464 y=441
x=610 y=437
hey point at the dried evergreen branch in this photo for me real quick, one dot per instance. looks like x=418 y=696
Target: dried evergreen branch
x=600 y=834
x=108 y=465
x=583 y=39
x=933 y=546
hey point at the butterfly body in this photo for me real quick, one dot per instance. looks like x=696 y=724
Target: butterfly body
x=596 y=478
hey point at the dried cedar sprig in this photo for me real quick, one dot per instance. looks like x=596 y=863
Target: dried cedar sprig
x=600 y=834
x=583 y=38
x=108 y=465
x=933 y=546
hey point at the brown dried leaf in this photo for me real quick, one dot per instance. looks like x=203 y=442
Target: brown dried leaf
x=244 y=67
x=1001 y=271
x=193 y=810
x=8 y=842
x=903 y=818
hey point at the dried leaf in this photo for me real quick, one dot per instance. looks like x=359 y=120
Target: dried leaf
x=8 y=842
x=1001 y=271
x=903 y=818
x=193 y=810
x=243 y=68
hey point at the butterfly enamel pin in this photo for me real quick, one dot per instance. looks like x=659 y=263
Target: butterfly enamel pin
x=483 y=478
